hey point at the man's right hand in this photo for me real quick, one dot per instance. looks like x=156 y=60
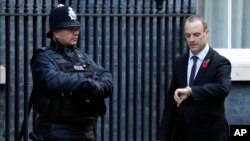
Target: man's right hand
x=181 y=94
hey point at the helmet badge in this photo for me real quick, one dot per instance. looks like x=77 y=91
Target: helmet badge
x=72 y=14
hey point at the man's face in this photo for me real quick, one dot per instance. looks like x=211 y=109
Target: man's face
x=196 y=36
x=67 y=36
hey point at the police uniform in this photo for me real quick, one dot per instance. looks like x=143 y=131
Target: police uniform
x=69 y=87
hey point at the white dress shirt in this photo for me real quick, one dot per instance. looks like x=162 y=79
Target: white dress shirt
x=200 y=56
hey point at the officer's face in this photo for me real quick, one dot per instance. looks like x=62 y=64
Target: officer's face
x=67 y=36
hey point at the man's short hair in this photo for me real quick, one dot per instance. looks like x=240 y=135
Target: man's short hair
x=193 y=18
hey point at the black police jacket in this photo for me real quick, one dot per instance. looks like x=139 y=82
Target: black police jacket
x=61 y=80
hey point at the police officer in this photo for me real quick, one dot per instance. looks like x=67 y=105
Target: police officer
x=69 y=88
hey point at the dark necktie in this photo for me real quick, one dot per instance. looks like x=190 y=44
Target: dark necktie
x=193 y=70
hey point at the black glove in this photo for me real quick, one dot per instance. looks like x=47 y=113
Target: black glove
x=94 y=90
x=107 y=90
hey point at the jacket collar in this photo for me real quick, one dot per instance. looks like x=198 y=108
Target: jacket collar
x=56 y=45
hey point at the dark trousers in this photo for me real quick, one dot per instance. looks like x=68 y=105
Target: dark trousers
x=84 y=131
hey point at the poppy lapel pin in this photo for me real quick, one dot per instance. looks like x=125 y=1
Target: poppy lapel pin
x=205 y=63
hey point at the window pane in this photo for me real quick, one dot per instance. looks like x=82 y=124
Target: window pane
x=240 y=24
x=216 y=14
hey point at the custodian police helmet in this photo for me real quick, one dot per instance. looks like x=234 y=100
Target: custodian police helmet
x=62 y=16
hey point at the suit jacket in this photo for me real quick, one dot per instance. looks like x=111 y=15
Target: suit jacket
x=201 y=117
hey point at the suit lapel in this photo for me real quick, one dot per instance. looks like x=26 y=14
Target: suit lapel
x=204 y=66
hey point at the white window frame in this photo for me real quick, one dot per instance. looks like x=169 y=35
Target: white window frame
x=2 y=74
x=240 y=58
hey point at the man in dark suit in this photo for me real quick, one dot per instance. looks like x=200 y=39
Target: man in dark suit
x=194 y=110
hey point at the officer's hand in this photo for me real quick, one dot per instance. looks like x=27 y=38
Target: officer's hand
x=96 y=90
x=106 y=88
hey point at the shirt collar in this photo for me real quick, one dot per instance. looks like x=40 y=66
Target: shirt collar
x=201 y=55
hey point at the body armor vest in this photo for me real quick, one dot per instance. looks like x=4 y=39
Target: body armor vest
x=71 y=106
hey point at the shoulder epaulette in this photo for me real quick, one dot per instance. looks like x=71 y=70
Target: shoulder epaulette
x=41 y=49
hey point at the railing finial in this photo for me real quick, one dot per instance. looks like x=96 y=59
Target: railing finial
x=159 y=4
x=61 y=1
